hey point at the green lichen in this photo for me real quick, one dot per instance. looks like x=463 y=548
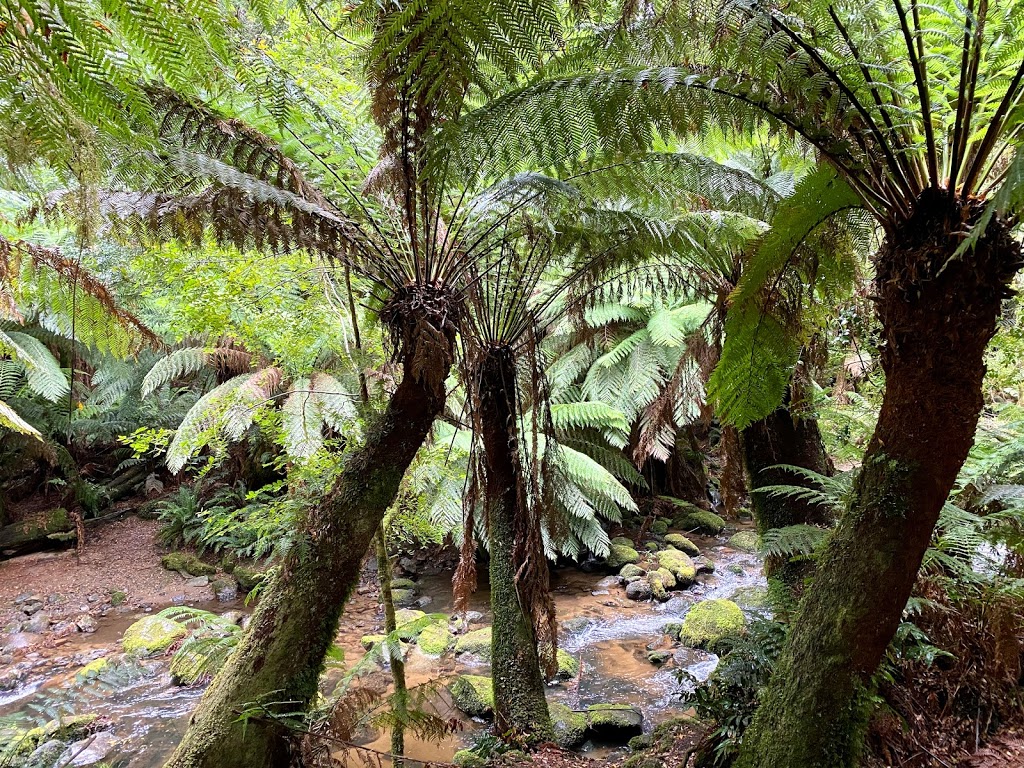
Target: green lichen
x=436 y=639
x=568 y=665
x=477 y=642
x=682 y=543
x=745 y=541
x=620 y=555
x=630 y=569
x=614 y=721
x=710 y=621
x=93 y=669
x=679 y=565
x=570 y=726
x=151 y=635
x=473 y=694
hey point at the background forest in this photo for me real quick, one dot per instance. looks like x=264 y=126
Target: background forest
x=661 y=359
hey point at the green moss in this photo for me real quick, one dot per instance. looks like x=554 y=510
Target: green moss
x=682 y=543
x=679 y=565
x=623 y=541
x=403 y=584
x=408 y=623
x=467 y=758
x=631 y=569
x=71 y=728
x=652 y=546
x=570 y=727
x=614 y=721
x=658 y=591
x=745 y=541
x=708 y=622
x=477 y=642
x=473 y=694
x=403 y=596
x=620 y=555
x=436 y=639
x=568 y=665
x=187 y=564
x=93 y=669
x=151 y=635
x=117 y=597
x=659 y=527
x=666 y=576
x=693 y=518
x=248 y=578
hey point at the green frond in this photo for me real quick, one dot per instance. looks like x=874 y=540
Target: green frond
x=43 y=372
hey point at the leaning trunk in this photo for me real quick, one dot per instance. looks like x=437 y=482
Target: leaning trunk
x=937 y=314
x=277 y=665
x=520 y=706
x=784 y=438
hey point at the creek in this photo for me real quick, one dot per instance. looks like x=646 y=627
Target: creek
x=609 y=634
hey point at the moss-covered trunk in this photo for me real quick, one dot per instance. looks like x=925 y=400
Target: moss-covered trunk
x=520 y=706
x=784 y=437
x=938 y=314
x=400 y=698
x=278 y=662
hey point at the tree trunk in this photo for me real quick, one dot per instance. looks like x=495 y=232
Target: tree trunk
x=278 y=662
x=520 y=705
x=732 y=483
x=400 y=699
x=783 y=437
x=937 y=315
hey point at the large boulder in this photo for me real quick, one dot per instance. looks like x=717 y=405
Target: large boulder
x=683 y=544
x=620 y=555
x=570 y=726
x=709 y=622
x=477 y=642
x=692 y=518
x=679 y=565
x=639 y=590
x=614 y=722
x=152 y=635
x=436 y=639
x=473 y=694
x=745 y=541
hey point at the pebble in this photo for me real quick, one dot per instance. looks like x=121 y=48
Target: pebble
x=85 y=623
x=39 y=623
x=198 y=581
x=32 y=606
x=24 y=597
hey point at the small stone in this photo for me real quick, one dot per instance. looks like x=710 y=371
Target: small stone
x=85 y=623
x=117 y=597
x=93 y=598
x=198 y=581
x=225 y=590
x=423 y=601
x=639 y=590
x=233 y=617
x=31 y=606
x=38 y=624
x=23 y=598
x=54 y=599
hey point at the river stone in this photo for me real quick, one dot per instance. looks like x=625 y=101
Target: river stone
x=93 y=669
x=682 y=543
x=568 y=665
x=403 y=584
x=709 y=622
x=659 y=656
x=85 y=623
x=745 y=541
x=570 y=727
x=706 y=565
x=403 y=597
x=32 y=606
x=614 y=722
x=46 y=754
x=186 y=564
x=679 y=565
x=630 y=569
x=90 y=751
x=473 y=694
x=696 y=519
x=37 y=624
x=639 y=590
x=623 y=541
x=152 y=635
x=477 y=642
x=225 y=590
x=659 y=527
x=436 y=639
x=620 y=555
x=658 y=591
x=666 y=576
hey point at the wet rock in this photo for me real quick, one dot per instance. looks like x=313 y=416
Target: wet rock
x=659 y=656
x=568 y=665
x=225 y=590
x=18 y=640
x=614 y=722
x=473 y=694
x=436 y=639
x=745 y=541
x=709 y=622
x=424 y=601
x=12 y=678
x=151 y=635
x=474 y=617
x=477 y=642
x=639 y=590
x=570 y=727
x=704 y=565
x=46 y=754
x=682 y=543
x=93 y=669
x=198 y=581
x=92 y=750
x=577 y=624
x=24 y=597
x=608 y=582
x=620 y=555
x=692 y=518
x=403 y=597
x=408 y=565
x=751 y=597
x=679 y=565
x=600 y=593
x=666 y=577
x=631 y=569
x=85 y=623
x=37 y=624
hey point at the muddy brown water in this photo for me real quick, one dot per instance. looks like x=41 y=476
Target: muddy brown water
x=608 y=633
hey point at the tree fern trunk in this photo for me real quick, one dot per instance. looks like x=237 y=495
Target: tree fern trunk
x=732 y=482
x=520 y=706
x=937 y=315
x=279 y=660
x=783 y=437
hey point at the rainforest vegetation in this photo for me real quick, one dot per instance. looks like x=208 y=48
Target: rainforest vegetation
x=507 y=382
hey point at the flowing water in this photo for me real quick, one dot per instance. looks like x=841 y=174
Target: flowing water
x=608 y=633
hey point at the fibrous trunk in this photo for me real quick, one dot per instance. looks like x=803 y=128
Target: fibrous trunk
x=937 y=314
x=277 y=665
x=520 y=706
x=732 y=483
x=784 y=437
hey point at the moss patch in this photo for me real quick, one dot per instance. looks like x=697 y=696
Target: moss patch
x=614 y=722
x=477 y=642
x=682 y=543
x=679 y=565
x=436 y=639
x=745 y=541
x=630 y=569
x=708 y=622
x=568 y=665
x=151 y=635
x=93 y=669
x=473 y=694
x=570 y=727
x=186 y=563
x=620 y=555
x=693 y=518
x=659 y=527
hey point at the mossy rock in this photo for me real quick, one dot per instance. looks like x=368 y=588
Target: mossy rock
x=568 y=665
x=709 y=622
x=93 y=669
x=248 y=578
x=682 y=543
x=623 y=541
x=368 y=641
x=186 y=563
x=473 y=694
x=638 y=743
x=189 y=668
x=71 y=728
x=436 y=639
x=55 y=525
x=403 y=584
x=152 y=635
x=745 y=541
x=477 y=642
x=659 y=527
x=630 y=570
x=620 y=555
x=652 y=546
x=570 y=727
x=658 y=591
x=408 y=623
x=666 y=577
x=751 y=597
x=117 y=597
x=614 y=722
x=403 y=597
x=467 y=758
x=679 y=565
x=701 y=521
